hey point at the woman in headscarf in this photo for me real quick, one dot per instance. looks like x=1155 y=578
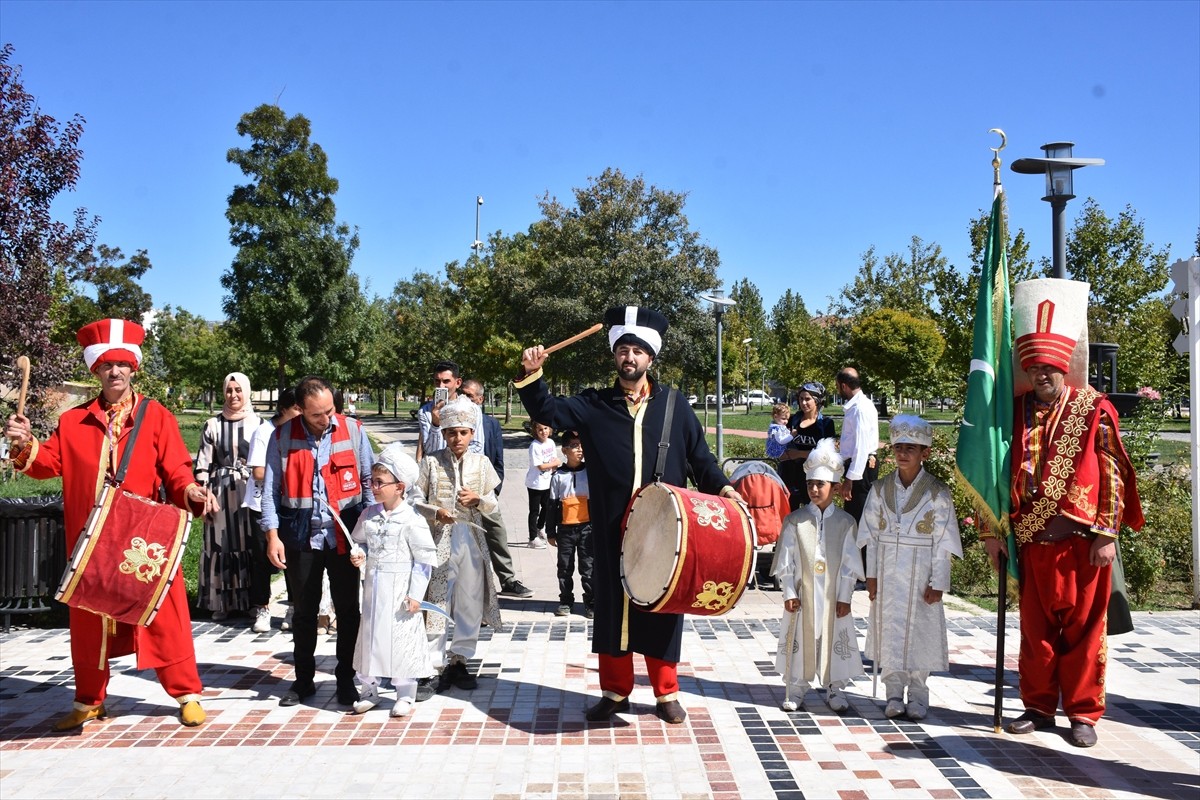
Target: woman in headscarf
x=808 y=426
x=234 y=572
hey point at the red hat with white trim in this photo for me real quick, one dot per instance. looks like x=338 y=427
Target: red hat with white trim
x=1050 y=325
x=111 y=340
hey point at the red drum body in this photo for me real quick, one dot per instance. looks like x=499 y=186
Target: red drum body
x=684 y=552
x=126 y=558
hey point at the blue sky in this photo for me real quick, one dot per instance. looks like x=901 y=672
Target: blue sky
x=803 y=133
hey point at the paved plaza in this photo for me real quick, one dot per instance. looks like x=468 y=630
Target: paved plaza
x=522 y=733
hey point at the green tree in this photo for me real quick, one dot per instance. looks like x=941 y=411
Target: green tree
x=192 y=356
x=903 y=282
x=804 y=346
x=897 y=347
x=107 y=274
x=39 y=160
x=1127 y=275
x=288 y=293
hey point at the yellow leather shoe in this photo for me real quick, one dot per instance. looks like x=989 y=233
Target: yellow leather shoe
x=191 y=714
x=79 y=715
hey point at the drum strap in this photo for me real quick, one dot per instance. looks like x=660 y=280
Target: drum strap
x=133 y=432
x=660 y=466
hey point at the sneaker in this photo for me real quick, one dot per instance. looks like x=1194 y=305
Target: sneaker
x=402 y=709
x=895 y=708
x=425 y=689
x=515 y=588
x=322 y=624
x=563 y=611
x=262 y=620
x=220 y=616
x=286 y=625
x=537 y=543
x=789 y=705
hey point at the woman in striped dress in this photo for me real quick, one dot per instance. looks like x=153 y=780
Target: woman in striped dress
x=234 y=575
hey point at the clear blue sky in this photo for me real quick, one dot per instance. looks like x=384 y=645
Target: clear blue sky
x=803 y=133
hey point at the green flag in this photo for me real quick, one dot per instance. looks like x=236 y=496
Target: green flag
x=983 y=455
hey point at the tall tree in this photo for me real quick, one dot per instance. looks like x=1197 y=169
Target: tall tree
x=287 y=292
x=902 y=281
x=1127 y=275
x=106 y=286
x=897 y=347
x=39 y=159
x=803 y=344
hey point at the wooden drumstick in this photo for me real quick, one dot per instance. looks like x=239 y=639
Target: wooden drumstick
x=23 y=366
x=573 y=339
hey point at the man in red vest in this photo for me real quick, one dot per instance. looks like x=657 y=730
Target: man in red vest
x=316 y=481
x=85 y=447
x=1072 y=488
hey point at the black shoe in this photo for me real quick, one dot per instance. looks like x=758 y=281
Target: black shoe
x=347 y=695
x=463 y=679
x=425 y=689
x=1082 y=734
x=1029 y=722
x=515 y=588
x=605 y=709
x=671 y=712
x=446 y=679
x=589 y=612
x=295 y=695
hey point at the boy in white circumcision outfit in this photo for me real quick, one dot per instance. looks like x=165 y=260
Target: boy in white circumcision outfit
x=910 y=531
x=454 y=489
x=817 y=563
x=400 y=556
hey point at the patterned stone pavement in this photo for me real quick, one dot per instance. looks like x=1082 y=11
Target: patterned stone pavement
x=522 y=734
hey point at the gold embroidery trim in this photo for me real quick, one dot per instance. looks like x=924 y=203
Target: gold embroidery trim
x=1060 y=469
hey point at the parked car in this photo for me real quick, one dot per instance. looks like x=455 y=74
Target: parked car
x=691 y=399
x=755 y=397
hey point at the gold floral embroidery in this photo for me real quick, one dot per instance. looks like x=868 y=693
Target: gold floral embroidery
x=1079 y=497
x=715 y=596
x=1054 y=487
x=925 y=526
x=144 y=561
x=1061 y=468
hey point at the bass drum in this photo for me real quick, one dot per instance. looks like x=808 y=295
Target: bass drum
x=683 y=552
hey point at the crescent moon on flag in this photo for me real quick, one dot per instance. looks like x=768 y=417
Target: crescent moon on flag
x=978 y=365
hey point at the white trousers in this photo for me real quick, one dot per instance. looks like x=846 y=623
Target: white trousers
x=406 y=688
x=915 y=680
x=466 y=573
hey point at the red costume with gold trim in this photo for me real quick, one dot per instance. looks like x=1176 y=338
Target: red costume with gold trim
x=77 y=451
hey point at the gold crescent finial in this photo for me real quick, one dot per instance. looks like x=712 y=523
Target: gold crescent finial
x=996 y=157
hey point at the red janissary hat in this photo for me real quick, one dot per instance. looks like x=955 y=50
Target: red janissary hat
x=111 y=340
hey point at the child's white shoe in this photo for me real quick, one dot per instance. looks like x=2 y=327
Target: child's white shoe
x=788 y=704
x=402 y=708
x=916 y=710
x=836 y=700
x=368 y=699
x=895 y=708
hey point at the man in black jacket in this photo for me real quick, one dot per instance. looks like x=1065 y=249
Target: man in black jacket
x=616 y=424
x=493 y=524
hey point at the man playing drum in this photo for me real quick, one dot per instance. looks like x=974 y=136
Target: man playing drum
x=621 y=428
x=85 y=447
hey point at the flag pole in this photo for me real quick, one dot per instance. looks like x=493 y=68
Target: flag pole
x=1002 y=599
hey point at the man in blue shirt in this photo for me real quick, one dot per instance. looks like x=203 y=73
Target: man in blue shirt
x=316 y=482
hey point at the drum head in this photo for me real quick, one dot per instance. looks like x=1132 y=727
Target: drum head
x=650 y=549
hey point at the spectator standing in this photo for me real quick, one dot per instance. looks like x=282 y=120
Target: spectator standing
x=543 y=460
x=808 y=426
x=569 y=527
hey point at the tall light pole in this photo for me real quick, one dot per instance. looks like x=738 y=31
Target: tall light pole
x=747 y=342
x=477 y=245
x=1057 y=166
x=719 y=304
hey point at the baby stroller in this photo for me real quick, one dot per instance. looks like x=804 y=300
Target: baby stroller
x=767 y=497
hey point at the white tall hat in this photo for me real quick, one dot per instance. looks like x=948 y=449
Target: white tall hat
x=824 y=463
x=399 y=463
x=459 y=413
x=638 y=325
x=1050 y=327
x=910 y=429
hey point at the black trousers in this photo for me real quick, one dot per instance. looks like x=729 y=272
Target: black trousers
x=539 y=510
x=260 y=568
x=305 y=568
x=574 y=544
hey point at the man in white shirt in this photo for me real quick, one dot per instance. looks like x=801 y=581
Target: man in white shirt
x=860 y=440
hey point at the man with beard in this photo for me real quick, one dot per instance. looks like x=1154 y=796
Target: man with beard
x=621 y=428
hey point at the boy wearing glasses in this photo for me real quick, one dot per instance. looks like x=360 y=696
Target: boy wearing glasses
x=453 y=491
x=569 y=526
x=400 y=556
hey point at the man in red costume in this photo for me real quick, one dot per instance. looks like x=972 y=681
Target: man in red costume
x=86 y=446
x=1072 y=488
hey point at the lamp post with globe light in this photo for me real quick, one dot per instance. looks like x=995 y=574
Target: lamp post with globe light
x=719 y=304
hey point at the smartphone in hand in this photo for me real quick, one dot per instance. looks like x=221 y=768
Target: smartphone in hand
x=440 y=395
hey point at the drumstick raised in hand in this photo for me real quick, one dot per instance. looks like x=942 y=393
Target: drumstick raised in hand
x=23 y=366
x=545 y=351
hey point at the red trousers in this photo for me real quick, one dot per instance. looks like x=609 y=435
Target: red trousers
x=1064 y=619
x=616 y=677
x=166 y=647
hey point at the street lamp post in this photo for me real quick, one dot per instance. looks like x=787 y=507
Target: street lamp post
x=747 y=342
x=719 y=304
x=1057 y=166
x=477 y=245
